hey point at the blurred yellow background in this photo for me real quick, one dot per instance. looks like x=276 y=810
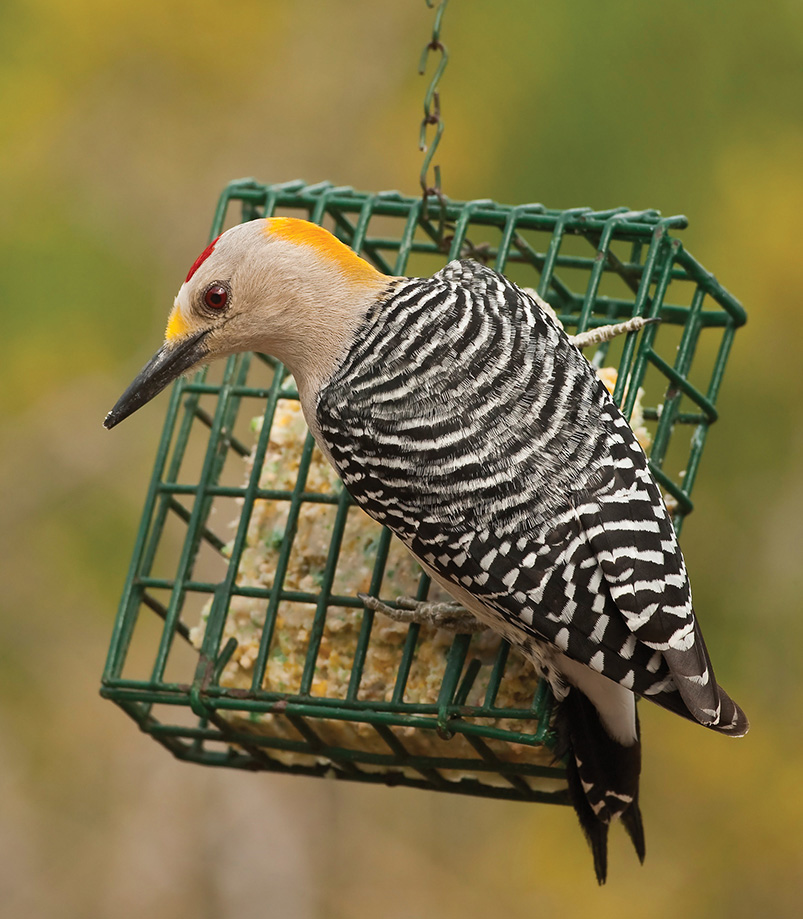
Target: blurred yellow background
x=120 y=125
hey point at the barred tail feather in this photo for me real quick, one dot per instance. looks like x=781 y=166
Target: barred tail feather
x=631 y=821
x=730 y=721
x=603 y=776
x=704 y=700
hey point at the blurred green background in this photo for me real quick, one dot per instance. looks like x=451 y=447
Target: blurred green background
x=120 y=125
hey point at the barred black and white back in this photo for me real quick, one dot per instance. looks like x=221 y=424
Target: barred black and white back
x=464 y=419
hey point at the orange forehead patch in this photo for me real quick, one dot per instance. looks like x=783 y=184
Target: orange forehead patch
x=302 y=232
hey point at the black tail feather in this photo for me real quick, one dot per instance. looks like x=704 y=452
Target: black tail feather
x=595 y=830
x=603 y=777
x=706 y=703
x=631 y=818
x=631 y=821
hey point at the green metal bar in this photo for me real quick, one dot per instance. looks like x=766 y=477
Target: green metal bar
x=409 y=645
x=403 y=672
x=206 y=534
x=693 y=463
x=360 y=231
x=400 y=752
x=402 y=757
x=406 y=243
x=542 y=710
x=503 y=253
x=129 y=604
x=461 y=226
x=686 y=418
x=161 y=610
x=234 y=491
x=497 y=672
x=228 y=404
x=281 y=565
x=679 y=385
x=628 y=272
x=495 y=764
x=230 y=191
x=395 y=713
x=712 y=287
x=601 y=260
x=179 y=450
x=719 y=364
x=393 y=778
x=255 y=751
x=581 y=262
x=313 y=745
x=699 y=436
x=644 y=306
x=312 y=742
x=322 y=203
x=551 y=259
x=231 y=442
x=455 y=660
x=325 y=768
x=678 y=380
x=217 y=617
x=672 y=488
x=470 y=675
x=361 y=650
x=264 y=593
x=649 y=334
x=542 y=266
x=319 y=621
x=255 y=392
x=394 y=205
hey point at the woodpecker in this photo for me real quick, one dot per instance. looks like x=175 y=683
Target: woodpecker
x=458 y=413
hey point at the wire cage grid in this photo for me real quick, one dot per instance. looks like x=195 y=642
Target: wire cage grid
x=626 y=264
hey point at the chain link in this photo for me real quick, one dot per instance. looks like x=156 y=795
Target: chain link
x=432 y=116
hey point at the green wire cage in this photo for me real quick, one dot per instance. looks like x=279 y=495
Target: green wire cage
x=236 y=644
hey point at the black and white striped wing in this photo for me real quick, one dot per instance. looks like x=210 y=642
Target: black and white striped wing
x=632 y=538
x=465 y=421
x=604 y=582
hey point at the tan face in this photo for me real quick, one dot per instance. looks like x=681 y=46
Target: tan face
x=217 y=287
x=203 y=308
x=282 y=286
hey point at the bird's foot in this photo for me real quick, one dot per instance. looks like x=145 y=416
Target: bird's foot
x=451 y=616
x=606 y=332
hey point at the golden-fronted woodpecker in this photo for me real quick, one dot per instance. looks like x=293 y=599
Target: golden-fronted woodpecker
x=459 y=414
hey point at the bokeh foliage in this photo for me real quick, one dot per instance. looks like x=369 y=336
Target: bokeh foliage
x=120 y=125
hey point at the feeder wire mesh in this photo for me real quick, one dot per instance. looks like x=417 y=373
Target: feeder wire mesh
x=171 y=671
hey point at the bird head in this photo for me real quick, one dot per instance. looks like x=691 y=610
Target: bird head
x=280 y=285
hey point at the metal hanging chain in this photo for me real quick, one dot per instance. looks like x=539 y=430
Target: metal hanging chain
x=432 y=116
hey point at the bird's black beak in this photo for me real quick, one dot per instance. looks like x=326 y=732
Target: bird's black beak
x=169 y=362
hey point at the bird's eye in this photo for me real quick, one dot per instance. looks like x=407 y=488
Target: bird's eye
x=216 y=297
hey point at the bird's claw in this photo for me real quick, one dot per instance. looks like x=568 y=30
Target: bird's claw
x=450 y=615
x=607 y=332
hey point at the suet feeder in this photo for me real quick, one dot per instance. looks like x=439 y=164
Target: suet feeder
x=241 y=639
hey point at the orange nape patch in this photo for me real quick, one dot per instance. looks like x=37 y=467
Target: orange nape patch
x=304 y=233
x=177 y=326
